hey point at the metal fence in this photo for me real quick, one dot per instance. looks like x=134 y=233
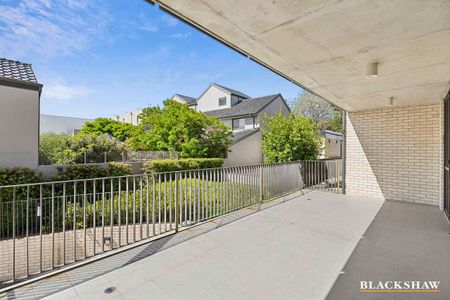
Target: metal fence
x=49 y=225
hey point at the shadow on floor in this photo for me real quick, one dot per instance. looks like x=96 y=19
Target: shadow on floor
x=405 y=242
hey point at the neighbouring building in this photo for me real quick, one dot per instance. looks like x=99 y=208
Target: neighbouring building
x=185 y=99
x=19 y=115
x=61 y=124
x=240 y=112
x=131 y=117
x=332 y=143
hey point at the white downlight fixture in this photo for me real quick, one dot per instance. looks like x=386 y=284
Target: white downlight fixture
x=372 y=70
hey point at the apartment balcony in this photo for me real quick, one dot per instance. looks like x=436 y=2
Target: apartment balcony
x=306 y=240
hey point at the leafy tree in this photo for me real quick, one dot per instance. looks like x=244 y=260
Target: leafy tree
x=120 y=131
x=53 y=148
x=289 y=138
x=176 y=127
x=326 y=115
x=94 y=147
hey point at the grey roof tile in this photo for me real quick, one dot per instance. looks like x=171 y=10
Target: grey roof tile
x=16 y=70
x=249 y=106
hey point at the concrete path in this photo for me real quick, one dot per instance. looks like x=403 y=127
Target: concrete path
x=293 y=250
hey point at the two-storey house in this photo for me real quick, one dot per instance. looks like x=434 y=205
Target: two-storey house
x=240 y=112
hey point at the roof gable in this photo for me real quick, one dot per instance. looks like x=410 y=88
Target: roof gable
x=187 y=99
x=231 y=91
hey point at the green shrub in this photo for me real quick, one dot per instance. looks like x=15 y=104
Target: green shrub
x=10 y=176
x=170 y=165
x=93 y=171
x=118 y=169
x=81 y=172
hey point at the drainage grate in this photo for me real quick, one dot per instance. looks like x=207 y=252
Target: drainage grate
x=110 y=290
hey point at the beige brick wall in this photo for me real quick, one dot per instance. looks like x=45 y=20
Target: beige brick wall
x=396 y=153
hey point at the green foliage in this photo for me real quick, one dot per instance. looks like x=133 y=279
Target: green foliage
x=119 y=169
x=94 y=147
x=324 y=114
x=65 y=149
x=100 y=126
x=170 y=165
x=289 y=138
x=11 y=176
x=93 y=171
x=176 y=127
x=53 y=148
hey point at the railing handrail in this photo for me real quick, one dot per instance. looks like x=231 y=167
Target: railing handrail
x=152 y=174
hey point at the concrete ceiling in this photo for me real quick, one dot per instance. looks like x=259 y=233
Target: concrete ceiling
x=325 y=45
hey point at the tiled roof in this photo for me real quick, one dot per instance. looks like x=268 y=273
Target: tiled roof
x=190 y=100
x=246 y=107
x=234 y=92
x=240 y=135
x=16 y=70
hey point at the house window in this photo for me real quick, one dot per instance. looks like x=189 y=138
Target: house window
x=222 y=101
x=235 y=124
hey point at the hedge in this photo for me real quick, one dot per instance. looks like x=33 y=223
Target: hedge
x=170 y=165
x=93 y=171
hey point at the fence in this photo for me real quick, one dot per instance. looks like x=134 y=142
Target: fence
x=127 y=156
x=48 y=225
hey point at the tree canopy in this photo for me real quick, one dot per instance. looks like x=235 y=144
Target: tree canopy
x=327 y=116
x=289 y=138
x=176 y=127
x=121 y=131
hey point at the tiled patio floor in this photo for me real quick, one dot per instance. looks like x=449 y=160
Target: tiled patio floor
x=292 y=250
x=404 y=242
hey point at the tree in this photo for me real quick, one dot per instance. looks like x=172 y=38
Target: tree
x=53 y=148
x=327 y=116
x=289 y=138
x=121 y=131
x=176 y=127
x=94 y=147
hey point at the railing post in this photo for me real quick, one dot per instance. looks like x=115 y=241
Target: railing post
x=177 y=177
x=338 y=179
x=261 y=184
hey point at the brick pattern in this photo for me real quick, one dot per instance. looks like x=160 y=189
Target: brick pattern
x=395 y=153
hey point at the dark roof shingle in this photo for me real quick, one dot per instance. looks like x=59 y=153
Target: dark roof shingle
x=246 y=107
x=17 y=70
x=190 y=100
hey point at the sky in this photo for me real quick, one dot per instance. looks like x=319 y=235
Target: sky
x=99 y=58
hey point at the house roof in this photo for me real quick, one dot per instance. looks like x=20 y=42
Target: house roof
x=328 y=134
x=240 y=135
x=231 y=91
x=16 y=71
x=249 y=106
x=190 y=100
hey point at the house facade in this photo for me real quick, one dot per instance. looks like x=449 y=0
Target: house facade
x=241 y=113
x=19 y=115
x=332 y=143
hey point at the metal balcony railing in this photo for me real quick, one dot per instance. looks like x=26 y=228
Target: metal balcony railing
x=48 y=225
